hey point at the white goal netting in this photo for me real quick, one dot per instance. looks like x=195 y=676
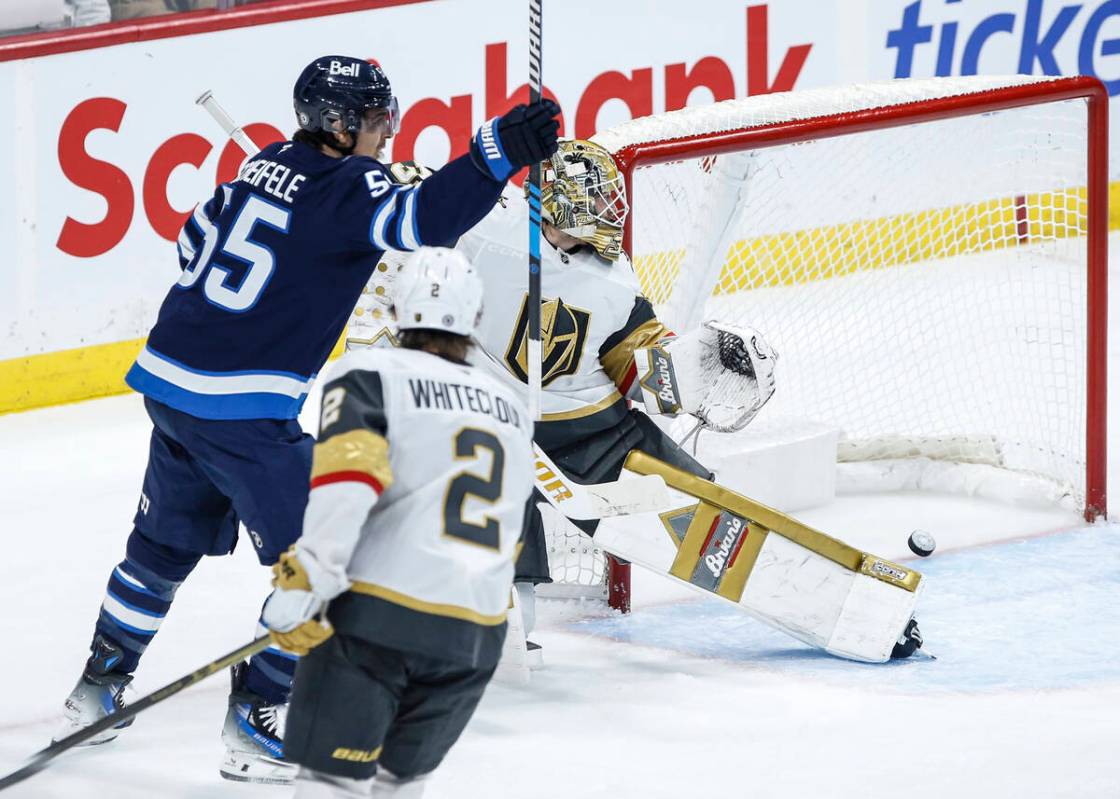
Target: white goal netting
x=925 y=282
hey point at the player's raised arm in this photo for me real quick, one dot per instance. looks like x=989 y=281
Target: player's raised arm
x=345 y=108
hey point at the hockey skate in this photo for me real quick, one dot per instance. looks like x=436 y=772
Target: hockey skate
x=909 y=642
x=254 y=737
x=99 y=692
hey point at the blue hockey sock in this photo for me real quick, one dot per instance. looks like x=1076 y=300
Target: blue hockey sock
x=270 y=672
x=138 y=595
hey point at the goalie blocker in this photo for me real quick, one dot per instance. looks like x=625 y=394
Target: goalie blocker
x=819 y=590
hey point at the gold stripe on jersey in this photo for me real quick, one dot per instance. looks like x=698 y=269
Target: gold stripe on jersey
x=361 y=451
x=617 y=362
x=587 y=410
x=430 y=608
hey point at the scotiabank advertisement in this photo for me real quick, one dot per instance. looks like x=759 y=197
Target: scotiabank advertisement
x=106 y=152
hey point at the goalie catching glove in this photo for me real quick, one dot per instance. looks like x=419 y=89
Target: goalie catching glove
x=294 y=611
x=721 y=373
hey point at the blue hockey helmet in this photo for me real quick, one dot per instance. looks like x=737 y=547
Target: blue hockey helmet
x=333 y=94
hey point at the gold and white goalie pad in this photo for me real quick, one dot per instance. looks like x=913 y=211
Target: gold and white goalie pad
x=721 y=373
x=818 y=589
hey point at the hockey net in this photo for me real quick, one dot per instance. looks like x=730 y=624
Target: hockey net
x=928 y=257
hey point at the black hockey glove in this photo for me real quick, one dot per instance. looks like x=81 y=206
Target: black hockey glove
x=525 y=135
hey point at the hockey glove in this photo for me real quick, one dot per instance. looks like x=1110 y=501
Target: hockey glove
x=721 y=373
x=526 y=135
x=293 y=613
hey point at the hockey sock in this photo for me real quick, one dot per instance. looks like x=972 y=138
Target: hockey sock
x=138 y=595
x=270 y=672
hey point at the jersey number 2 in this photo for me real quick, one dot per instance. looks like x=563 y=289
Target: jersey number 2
x=467 y=444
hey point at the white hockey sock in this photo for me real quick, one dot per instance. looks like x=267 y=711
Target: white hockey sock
x=386 y=785
x=527 y=593
x=312 y=784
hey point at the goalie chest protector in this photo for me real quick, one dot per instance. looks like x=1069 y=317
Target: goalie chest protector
x=584 y=301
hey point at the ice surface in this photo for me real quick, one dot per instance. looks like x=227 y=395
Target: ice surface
x=682 y=698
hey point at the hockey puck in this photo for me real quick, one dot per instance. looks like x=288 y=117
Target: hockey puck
x=921 y=543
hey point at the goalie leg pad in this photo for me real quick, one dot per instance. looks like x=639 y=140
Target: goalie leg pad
x=797 y=579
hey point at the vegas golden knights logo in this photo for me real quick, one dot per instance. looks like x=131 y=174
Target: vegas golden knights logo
x=563 y=332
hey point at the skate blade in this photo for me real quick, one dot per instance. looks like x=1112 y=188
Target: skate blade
x=249 y=767
x=534 y=658
x=103 y=738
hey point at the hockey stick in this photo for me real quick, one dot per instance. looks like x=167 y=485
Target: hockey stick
x=43 y=757
x=232 y=129
x=533 y=334
x=599 y=500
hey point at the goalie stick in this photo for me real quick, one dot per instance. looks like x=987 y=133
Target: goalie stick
x=574 y=500
x=533 y=334
x=598 y=500
x=41 y=759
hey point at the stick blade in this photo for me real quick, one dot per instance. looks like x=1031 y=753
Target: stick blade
x=629 y=496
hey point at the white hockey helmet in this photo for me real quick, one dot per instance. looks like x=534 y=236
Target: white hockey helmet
x=438 y=289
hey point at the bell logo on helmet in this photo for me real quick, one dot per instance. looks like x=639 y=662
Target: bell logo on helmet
x=338 y=68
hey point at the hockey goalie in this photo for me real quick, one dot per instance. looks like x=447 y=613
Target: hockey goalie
x=609 y=369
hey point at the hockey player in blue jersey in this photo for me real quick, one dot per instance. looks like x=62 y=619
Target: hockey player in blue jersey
x=272 y=265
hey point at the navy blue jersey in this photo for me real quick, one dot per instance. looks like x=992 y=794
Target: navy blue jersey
x=274 y=263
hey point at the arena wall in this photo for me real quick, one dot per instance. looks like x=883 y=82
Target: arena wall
x=107 y=154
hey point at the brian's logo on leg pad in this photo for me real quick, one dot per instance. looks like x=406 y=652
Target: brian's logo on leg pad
x=723 y=546
x=356 y=755
x=724 y=541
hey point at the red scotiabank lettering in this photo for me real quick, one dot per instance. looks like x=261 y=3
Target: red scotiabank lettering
x=455 y=117
x=186 y=148
x=710 y=72
x=758 y=56
x=79 y=238
x=85 y=240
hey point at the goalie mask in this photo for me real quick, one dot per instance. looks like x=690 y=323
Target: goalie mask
x=582 y=193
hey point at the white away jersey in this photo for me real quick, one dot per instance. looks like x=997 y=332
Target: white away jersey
x=593 y=316
x=442 y=453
